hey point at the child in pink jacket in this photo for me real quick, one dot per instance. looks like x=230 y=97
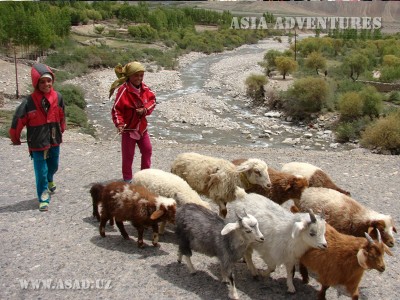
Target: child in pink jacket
x=134 y=101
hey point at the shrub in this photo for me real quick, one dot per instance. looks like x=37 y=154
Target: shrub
x=255 y=88
x=76 y=116
x=384 y=134
x=351 y=131
x=308 y=95
x=350 y=105
x=99 y=29
x=394 y=97
x=390 y=73
x=372 y=101
x=72 y=95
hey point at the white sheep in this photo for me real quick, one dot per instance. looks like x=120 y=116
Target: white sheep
x=168 y=185
x=218 y=178
x=287 y=236
x=347 y=215
x=315 y=176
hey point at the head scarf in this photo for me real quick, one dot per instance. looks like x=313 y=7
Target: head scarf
x=123 y=73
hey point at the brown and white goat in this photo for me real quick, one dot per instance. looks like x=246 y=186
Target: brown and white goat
x=284 y=186
x=134 y=203
x=315 y=176
x=347 y=215
x=344 y=261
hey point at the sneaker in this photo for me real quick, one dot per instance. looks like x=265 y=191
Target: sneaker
x=43 y=206
x=128 y=181
x=52 y=187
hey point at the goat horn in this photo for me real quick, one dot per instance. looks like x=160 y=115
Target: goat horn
x=322 y=214
x=238 y=216
x=312 y=216
x=378 y=233
x=369 y=238
x=245 y=212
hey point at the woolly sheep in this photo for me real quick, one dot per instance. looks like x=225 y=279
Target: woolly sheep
x=315 y=176
x=347 y=215
x=287 y=236
x=129 y=202
x=168 y=185
x=218 y=178
x=284 y=186
x=202 y=230
x=344 y=261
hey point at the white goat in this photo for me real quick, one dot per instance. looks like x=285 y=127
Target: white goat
x=218 y=178
x=287 y=236
x=204 y=231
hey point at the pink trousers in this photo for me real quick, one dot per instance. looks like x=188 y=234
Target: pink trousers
x=128 y=145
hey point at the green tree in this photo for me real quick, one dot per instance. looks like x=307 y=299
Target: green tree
x=315 y=61
x=285 y=65
x=357 y=63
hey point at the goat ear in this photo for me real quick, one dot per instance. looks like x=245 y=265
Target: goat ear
x=370 y=228
x=387 y=250
x=214 y=179
x=297 y=227
x=157 y=214
x=394 y=229
x=229 y=227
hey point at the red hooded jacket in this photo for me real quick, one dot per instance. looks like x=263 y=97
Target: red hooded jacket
x=44 y=128
x=128 y=99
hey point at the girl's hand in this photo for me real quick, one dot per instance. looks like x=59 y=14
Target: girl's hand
x=141 y=111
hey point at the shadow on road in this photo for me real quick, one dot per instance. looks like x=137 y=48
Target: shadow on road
x=24 y=205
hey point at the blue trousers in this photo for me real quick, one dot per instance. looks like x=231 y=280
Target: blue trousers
x=45 y=164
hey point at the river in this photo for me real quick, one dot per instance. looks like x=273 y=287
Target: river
x=248 y=126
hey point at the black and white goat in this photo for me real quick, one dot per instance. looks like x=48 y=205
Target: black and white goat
x=204 y=231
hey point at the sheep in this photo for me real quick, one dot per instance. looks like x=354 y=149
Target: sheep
x=315 y=176
x=168 y=185
x=344 y=261
x=202 y=230
x=284 y=186
x=129 y=202
x=287 y=236
x=347 y=215
x=218 y=178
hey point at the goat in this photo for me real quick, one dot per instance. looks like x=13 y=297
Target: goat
x=128 y=202
x=284 y=186
x=315 y=176
x=347 y=215
x=344 y=261
x=218 y=178
x=202 y=230
x=287 y=236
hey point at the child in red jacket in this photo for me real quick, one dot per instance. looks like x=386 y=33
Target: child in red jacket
x=134 y=101
x=42 y=112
